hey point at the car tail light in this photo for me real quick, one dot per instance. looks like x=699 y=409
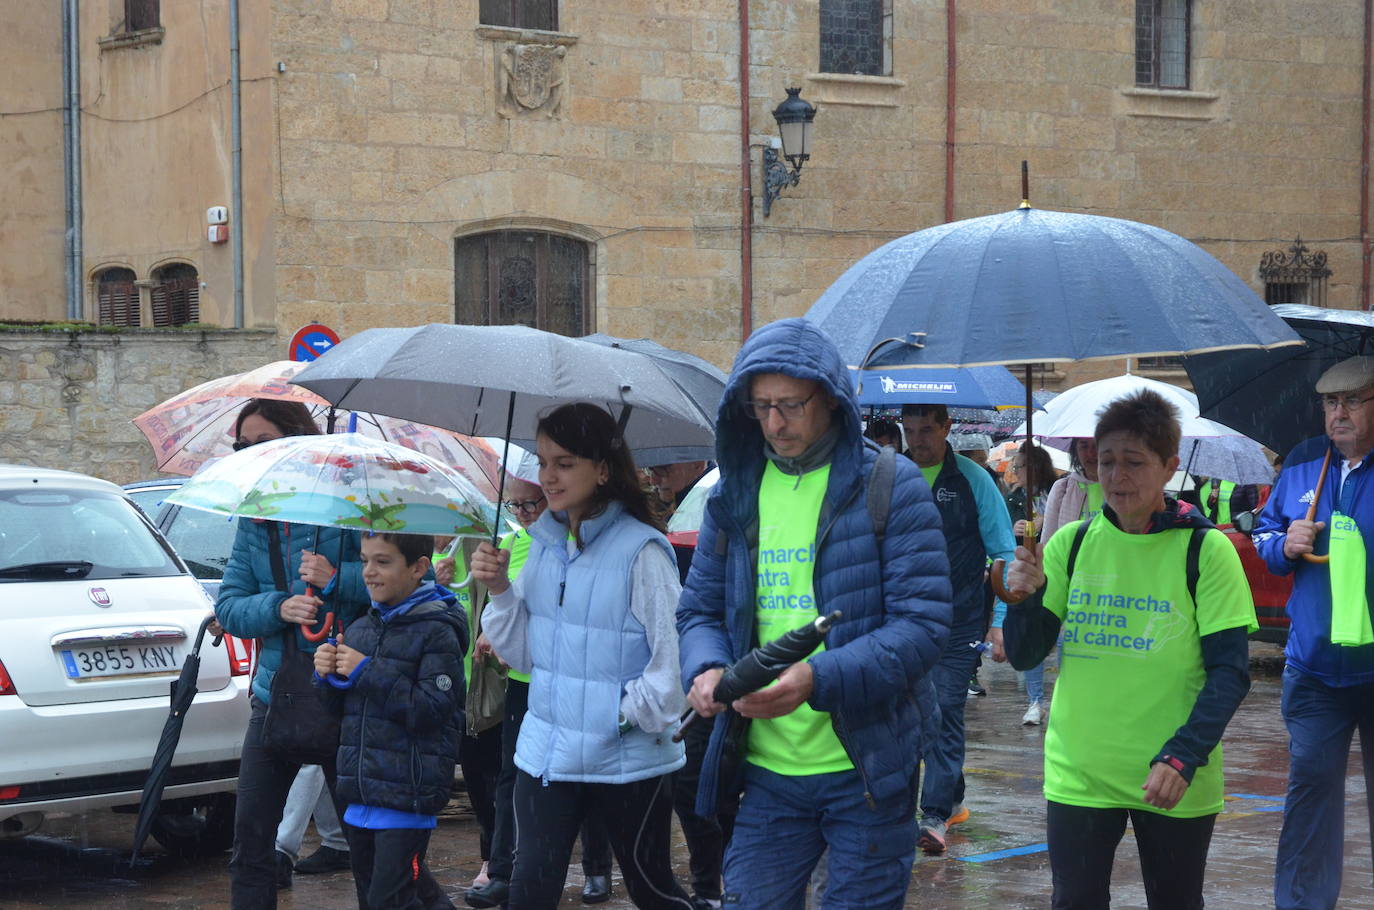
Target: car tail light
x=8 y=793
x=6 y=684
x=240 y=653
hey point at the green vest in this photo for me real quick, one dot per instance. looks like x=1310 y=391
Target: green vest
x=518 y=542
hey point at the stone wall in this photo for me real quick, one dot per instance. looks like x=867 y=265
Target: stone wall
x=67 y=398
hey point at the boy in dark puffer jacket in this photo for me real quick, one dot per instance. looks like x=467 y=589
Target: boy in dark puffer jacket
x=399 y=685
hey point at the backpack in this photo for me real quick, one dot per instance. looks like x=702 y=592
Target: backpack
x=1194 y=561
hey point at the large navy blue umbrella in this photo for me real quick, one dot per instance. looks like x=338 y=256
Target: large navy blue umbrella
x=1271 y=395
x=975 y=387
x=1032 y=286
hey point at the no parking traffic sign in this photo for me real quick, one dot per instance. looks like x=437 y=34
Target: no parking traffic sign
x=311 y=341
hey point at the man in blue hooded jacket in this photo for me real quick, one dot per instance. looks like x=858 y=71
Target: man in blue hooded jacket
x=1328 y=683
x=826 y=756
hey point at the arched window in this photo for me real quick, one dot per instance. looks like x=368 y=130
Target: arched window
x=523 y=278
x=116 y=295
x=176 y=294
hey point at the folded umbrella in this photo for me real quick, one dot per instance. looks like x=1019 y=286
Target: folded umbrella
x=183 y=694
x=764 y=664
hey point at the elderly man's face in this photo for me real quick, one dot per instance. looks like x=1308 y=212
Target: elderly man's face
x=793 y=413
x=671 y=479
x=1350 y=428
x=525 y=500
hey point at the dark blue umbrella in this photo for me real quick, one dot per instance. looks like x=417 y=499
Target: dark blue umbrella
x=1270 y=396
x=976 y=387
x=1032 y=286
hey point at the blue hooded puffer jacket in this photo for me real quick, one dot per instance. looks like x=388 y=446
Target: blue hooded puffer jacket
x=872 y=676
x=249 y=604
x=402 y=710
x=1309 y=649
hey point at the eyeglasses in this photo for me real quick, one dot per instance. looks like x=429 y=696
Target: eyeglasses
x=1349 y=402
x=523 y=505
x=790 y=408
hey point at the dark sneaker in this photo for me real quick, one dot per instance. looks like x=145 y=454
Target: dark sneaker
x=283 y=871
x=932 y=838
x=494 y=893
x=325 y=859
x=597 y=890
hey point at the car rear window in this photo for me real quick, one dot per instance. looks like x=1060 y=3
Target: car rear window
x=51 y=534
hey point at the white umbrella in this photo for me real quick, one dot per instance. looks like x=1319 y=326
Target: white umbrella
x=1206 y=447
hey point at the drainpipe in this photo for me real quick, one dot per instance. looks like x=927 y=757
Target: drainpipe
x=1364 y=159
x=950 y=60
x=746 y=229
x=71 y=155
x=236 y=142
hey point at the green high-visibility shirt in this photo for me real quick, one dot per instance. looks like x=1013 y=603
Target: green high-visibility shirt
x=803 y=742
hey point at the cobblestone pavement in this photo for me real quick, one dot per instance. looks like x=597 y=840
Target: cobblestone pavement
x=996 y=859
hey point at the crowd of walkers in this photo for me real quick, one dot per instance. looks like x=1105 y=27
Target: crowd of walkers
x=556 y=666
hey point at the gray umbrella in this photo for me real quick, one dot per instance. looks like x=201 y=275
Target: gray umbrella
x=700 y=380
x=499 y=380
x=462 y=377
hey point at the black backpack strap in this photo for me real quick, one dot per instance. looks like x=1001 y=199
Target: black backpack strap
x=880 y=482
x=1195 y=560
x=1078 y=536
x=275 y=557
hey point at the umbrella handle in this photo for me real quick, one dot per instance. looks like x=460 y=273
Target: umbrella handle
x=317 y=636
x=1312 y=509
x=688 y=717
x=999 y=589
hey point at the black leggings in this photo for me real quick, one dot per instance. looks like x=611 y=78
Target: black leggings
x=1083 y=841
x=638 y=823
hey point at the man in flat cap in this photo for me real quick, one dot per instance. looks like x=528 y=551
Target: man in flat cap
x=1328 y=684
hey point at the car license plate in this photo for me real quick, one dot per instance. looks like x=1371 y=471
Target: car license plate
x=120 y=660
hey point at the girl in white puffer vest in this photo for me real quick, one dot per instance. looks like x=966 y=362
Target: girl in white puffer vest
x=591 y=618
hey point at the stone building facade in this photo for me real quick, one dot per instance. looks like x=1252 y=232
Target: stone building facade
x=408 y=161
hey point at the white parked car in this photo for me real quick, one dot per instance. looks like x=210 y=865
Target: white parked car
x=97 y=614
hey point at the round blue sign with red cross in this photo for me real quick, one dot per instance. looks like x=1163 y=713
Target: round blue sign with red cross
x=311 y=341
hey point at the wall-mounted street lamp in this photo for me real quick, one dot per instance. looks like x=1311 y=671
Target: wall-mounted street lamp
x=794 y=118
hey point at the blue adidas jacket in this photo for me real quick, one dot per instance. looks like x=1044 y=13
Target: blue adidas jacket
x=871 y=678
x=1309 y=648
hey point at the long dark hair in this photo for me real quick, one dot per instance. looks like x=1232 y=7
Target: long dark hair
x=1041 y=468
x=291 y=417
x=590 y=432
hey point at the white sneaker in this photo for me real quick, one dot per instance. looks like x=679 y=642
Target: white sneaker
x=1034 y=714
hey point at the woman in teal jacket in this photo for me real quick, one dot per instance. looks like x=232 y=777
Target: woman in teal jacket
x=250 y=605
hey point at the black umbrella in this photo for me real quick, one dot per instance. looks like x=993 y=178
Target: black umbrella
x=183 y=693
x=764 y=664
x=1270 y=395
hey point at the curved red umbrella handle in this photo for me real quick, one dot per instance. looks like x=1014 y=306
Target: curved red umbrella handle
x=318 y=635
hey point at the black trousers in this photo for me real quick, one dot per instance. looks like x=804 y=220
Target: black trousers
x=706 y=837
x=638 y=821
x=264 y=780
x=1083 y=841
x=480 y=757
x=389 y=869
x=596 y=847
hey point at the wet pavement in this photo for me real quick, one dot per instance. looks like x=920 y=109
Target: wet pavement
x=995 y=859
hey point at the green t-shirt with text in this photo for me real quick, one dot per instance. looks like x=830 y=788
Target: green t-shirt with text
x=1092 y=499
x=518 y=542
x=1132 y=659
x=803 y=742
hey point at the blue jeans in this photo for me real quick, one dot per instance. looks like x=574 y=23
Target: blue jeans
x=784 y=825
x=1035 y=682
x=943 y=787
x=1321 y=721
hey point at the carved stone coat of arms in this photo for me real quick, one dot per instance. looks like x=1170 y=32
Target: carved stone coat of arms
x=531 y=79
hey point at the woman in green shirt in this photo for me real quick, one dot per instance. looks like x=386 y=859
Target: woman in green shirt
x=1155 y=611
